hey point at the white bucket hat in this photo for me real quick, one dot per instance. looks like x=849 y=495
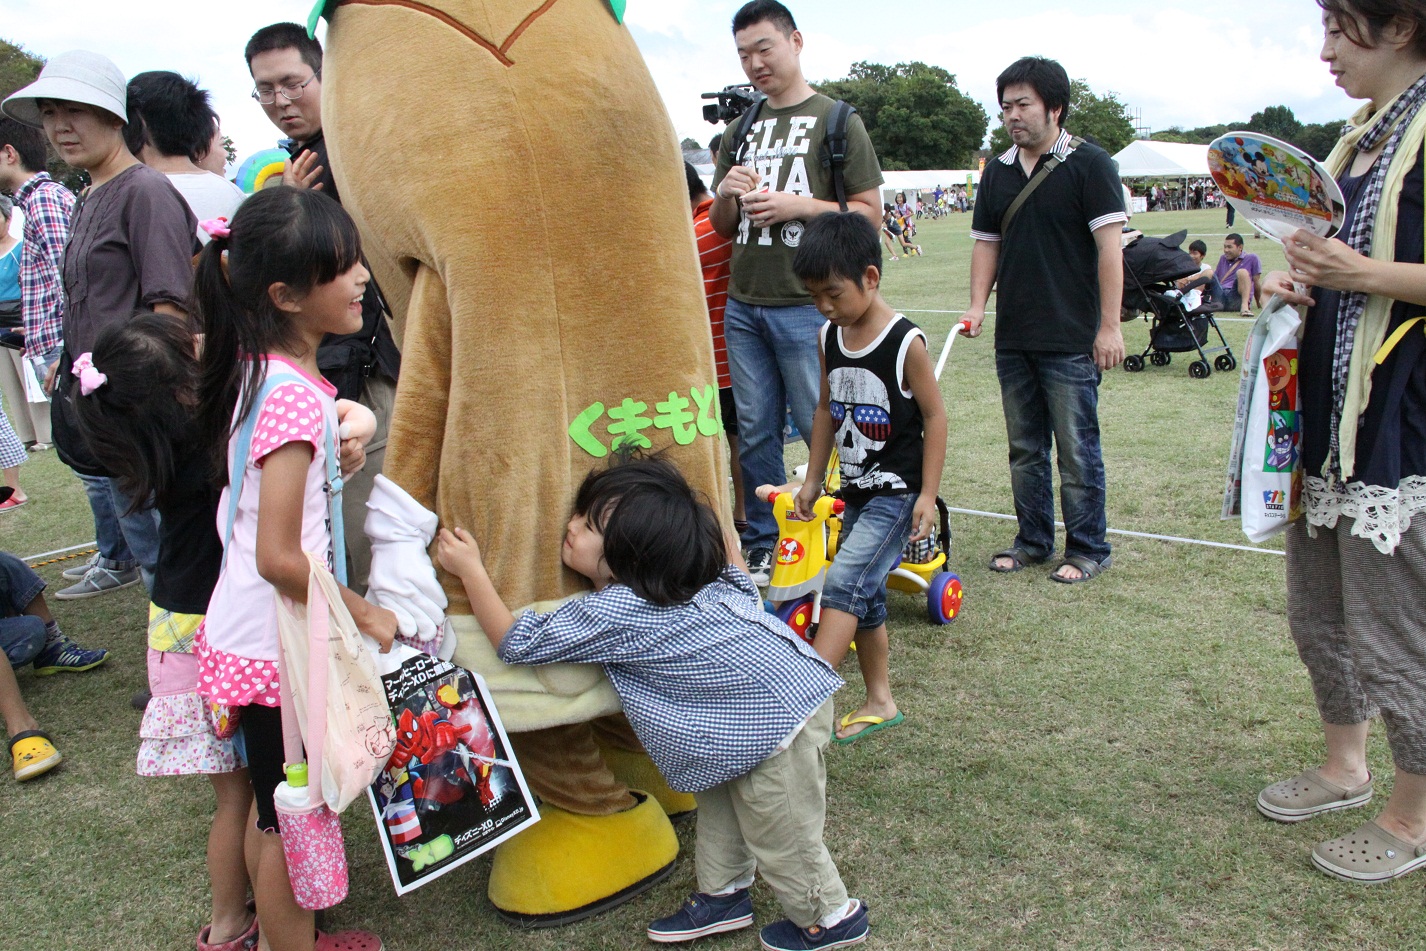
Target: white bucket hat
x=76 y=76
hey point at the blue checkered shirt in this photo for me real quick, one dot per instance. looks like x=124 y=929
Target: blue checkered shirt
x=711 y=687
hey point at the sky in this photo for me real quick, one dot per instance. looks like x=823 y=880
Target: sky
x=1171 y=62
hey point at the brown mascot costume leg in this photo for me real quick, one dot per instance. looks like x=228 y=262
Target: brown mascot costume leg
x=518 y=186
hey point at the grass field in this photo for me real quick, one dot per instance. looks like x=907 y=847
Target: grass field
x=1077 y=768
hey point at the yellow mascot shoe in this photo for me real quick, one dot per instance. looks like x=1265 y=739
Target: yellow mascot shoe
x=637 y=771
x=567 y=867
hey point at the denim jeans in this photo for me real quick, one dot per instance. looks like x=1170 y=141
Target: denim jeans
x=772 y=357
x=1054 y=396
x=873 y=534
x=21 y=635
x=124 y=541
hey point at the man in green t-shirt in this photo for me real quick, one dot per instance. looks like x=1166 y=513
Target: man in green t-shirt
x=766 y=187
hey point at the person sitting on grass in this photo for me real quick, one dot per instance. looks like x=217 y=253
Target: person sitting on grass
x=29 y=634
x=1196 y=288
x=731 y=705
x=881 y=409
x=1238 y=277
x=24 y=614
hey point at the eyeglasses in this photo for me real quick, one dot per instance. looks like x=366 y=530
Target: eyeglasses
x=291 y=92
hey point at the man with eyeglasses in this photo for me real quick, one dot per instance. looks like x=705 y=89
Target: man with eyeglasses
x=286 y=66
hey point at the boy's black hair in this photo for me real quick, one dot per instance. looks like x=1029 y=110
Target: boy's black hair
x=27 y=141
x=282 y=36
x=294 y=236
x=176 y=117
x=135 y=419
x=714 y=144
x=1047 y=77
x=1235 y=238
x=1198 y=245
x=759 y=10
x=660 y=538
x=838 y=243
x=695 y=184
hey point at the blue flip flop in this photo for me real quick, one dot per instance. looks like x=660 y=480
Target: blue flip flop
x=876 y=723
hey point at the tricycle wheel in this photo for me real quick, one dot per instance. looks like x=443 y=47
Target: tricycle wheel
x=943 y=600
x=797 y=614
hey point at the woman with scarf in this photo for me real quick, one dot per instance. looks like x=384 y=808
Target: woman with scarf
x=1356 y=564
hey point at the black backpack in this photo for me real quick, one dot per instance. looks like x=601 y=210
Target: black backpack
x=834 y=147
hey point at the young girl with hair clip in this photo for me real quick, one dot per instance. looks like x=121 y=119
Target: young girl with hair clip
x=286 y=271
x=134 y=399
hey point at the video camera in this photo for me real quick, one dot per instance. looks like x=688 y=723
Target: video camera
x=732 y=102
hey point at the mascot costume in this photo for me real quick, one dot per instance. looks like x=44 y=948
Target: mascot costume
x=535 y=243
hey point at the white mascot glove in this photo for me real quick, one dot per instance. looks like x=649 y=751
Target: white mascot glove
x=403 y=579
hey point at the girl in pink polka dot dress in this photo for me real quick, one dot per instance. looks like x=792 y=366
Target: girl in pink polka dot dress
x=268 y=287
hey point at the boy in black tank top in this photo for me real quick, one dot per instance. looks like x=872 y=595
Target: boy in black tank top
x=882 y=409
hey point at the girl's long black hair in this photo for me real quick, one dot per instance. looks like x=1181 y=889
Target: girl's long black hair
x=135 y=420
x=282 y=235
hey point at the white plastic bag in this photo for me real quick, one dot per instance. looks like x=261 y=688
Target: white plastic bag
x=1268 y=432
x=337 y=694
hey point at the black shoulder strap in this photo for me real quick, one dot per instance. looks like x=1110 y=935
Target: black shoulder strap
x=741 y=130
x=1053 y=163
x=836 y=146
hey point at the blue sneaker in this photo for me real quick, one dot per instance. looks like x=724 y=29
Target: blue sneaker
x=65 y=656
x=785 y=936
x=703 y=915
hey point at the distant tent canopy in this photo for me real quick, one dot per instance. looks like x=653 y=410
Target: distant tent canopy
x=1143 y=159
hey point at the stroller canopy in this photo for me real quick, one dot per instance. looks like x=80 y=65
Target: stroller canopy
x=1157 y=261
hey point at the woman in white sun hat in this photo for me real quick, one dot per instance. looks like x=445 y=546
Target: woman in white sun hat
x=131 y=245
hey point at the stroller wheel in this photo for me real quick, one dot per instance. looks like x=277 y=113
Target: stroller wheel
x=1225 y=362
x=1133 y=363
x=1199 y=369
x=943 y=600
x=1159 y=358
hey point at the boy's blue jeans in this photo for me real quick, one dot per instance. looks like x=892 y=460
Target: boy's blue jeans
x=874 y=532
x=1054 y=397
x=772 y=358
x=21 y=635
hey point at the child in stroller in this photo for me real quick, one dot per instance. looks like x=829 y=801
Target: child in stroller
x=1153 y=270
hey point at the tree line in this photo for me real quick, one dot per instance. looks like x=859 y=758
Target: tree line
x=1316 y=139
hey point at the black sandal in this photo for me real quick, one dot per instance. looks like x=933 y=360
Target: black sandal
x=1089 y=569
x=1019 y=558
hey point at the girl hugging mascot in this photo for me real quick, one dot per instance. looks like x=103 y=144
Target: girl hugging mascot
x=528 y=355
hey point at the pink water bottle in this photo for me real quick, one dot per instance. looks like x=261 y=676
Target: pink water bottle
x=311 y=842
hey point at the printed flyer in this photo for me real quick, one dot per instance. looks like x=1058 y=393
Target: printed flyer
x=452 y=788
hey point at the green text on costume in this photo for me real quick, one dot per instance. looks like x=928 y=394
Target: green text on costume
x=684 y=417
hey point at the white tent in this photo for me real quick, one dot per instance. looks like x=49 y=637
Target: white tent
x=1144 y=159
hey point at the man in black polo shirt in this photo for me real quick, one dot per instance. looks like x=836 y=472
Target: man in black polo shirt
x=1058 y=270
x=286 y=66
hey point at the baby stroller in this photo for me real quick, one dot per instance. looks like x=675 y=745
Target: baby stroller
x=1151 y=265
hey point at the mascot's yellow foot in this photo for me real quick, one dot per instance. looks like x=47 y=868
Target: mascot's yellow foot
x=637 y=771
x=567 y=867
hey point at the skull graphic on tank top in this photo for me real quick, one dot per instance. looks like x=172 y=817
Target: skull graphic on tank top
x=861 y=409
